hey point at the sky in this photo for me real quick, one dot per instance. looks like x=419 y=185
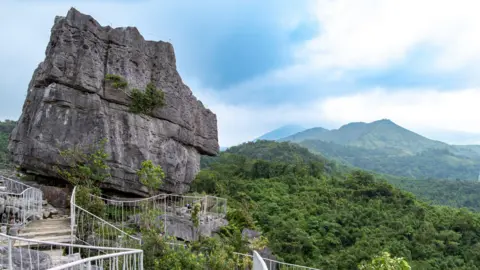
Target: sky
x=259 y=65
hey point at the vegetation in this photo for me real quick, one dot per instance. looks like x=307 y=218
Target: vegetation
x=430 y=163
x=385 y=262
x=6 y=127
x=205 y=253
x=117 y=81
x=321 y=217
x=151 y=175
x=143 y=102
x=86 y=170
x=384 y=147
x=442 y=192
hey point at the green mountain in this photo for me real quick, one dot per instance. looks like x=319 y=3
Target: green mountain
x=6 y=127
x=281 y=132
x=308 y=134
x=386 y=147
x=317 y=215
x=379 y=134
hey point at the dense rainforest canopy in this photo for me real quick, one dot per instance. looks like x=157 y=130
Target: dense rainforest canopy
x=315 y=214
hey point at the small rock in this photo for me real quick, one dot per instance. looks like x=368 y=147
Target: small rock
x=46 y=214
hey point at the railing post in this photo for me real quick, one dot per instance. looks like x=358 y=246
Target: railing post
x=165 y=216
x=258 y=262
x=10 y=254
x=72 y=219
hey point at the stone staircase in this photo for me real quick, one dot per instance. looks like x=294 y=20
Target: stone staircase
x=50 y=230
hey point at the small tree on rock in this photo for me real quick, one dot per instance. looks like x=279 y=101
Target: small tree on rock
x=151 y=175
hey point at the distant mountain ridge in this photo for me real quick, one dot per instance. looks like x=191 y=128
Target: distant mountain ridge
x=386 y=147
x=281 y=132
x=378 y=134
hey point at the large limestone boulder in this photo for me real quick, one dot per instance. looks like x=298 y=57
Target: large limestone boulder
x=69 y=103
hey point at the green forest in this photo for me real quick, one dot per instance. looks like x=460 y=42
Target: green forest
x=6 y=128
x=430 y=163
x=318 y=214
x=325 y=214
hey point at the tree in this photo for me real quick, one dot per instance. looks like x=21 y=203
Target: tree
x=86 y=170
x=151 y=175
x=385 y=262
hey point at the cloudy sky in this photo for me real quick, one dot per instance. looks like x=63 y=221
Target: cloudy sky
x=263 y=64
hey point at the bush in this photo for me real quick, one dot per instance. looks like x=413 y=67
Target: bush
x=145 y=101
x=142 y=101
x=117 y=81
x=151 y=175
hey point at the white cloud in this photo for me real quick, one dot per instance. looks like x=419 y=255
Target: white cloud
x=376 y=33
x=451 y=116
x=414 y=108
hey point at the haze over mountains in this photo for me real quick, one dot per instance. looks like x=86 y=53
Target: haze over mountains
x=386 y=147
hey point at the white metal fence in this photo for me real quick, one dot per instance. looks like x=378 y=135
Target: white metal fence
x=20 y=254
x=97 y=243
x=275 y=265
x=89 y=229
x=19 y=202
x=126 y=212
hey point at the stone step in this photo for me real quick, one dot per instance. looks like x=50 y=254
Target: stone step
x=55 y=239
x=44 y=232
x=49 y=222
x=46 y=227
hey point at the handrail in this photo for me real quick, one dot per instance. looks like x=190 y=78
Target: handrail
x=271 y=264
x=101 y=257
x=73 y=216
x=30 y=198
x=12 y=180
x=129 y=254
x=218 y=204
x=117 y=255
x=108 y=223
x=258 y=262
x=62 y=244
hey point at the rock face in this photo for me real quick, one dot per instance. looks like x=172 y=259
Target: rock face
x=22 y=259
x=69 y=103
x=181 y=226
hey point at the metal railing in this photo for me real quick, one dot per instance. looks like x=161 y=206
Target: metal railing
x=18 y=202
x=21 y=253
x=276 y=265
x=90 y=229
x=171 y=203
x=125 y=213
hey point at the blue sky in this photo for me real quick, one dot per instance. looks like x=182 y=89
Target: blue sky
x=263 y=64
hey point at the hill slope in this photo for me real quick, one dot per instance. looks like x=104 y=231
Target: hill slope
x=385 y=147
x=379 y=134
x=333 y=220
x=281 y=132
x=6 y=128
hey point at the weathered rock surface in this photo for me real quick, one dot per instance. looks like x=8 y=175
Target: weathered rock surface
x=181 y=225
x=22 y=259
x=57 y=197
x=69 y=103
